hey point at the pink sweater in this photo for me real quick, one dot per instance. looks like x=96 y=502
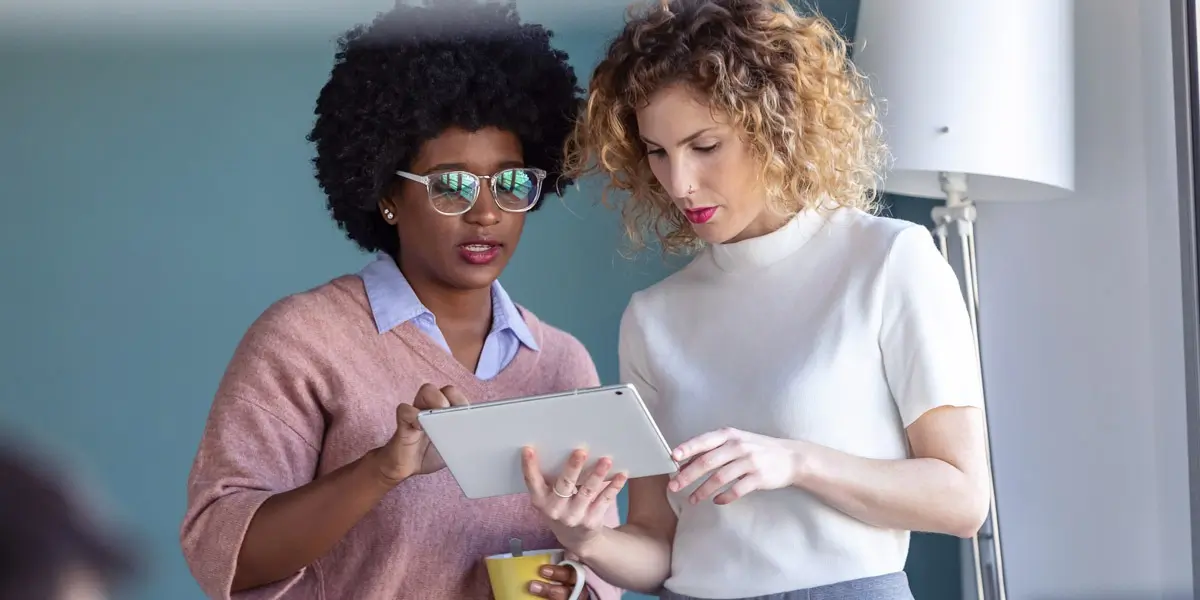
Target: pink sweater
x=312 y=387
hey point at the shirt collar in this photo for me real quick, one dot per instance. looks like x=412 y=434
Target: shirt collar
x=393 y=301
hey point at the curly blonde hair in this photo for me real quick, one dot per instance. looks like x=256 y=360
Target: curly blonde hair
x=786 y=80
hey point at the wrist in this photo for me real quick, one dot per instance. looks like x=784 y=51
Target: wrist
x=587 y=547
x=375 y=468
x=806 y=463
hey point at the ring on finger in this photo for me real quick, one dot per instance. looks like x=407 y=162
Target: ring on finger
x=574 y=490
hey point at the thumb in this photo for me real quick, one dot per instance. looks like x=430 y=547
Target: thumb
x=407 y=424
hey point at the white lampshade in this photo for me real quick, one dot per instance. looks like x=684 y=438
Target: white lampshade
x=979 y=87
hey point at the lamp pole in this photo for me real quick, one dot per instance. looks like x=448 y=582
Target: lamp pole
x=959 y=214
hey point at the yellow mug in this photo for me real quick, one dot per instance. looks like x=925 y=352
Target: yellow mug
x=510 y=575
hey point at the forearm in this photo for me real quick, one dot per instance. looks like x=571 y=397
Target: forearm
x=629 y=557
x=293 y=529
x=918 y=494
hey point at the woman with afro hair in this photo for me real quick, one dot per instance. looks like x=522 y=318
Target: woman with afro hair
x=440 y=128
x=813 y=366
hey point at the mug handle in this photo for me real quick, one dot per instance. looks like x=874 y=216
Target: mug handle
x=580 y=576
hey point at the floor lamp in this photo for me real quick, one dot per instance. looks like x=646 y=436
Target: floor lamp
x=977 y=100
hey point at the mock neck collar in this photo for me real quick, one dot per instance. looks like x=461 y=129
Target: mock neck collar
x=768 y=249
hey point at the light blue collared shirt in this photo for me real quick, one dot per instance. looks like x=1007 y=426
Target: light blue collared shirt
x=393 y=303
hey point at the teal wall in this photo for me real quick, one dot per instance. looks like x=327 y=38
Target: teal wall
x=157 y=197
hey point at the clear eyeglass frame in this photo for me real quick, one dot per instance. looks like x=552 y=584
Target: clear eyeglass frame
x=452 y=207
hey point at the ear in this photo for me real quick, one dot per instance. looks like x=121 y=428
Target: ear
x=387 y=208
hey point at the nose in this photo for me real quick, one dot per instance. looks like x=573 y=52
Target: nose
x=484 y=212
x=680 y=179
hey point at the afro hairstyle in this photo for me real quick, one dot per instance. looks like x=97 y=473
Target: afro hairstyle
x=416 y=71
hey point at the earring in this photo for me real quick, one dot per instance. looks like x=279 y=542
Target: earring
x=388 y=214
x=691 y=190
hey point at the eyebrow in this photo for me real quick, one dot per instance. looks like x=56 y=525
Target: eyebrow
x=684 y=140
x=508 y=164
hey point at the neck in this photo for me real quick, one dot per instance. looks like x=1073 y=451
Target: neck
x=450 y=306
x=768 y=220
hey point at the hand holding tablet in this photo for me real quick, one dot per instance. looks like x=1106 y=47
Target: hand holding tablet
x=482 y=444
x=577 y=501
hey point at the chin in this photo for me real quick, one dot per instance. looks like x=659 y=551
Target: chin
x=714 y=233
x=473 y=279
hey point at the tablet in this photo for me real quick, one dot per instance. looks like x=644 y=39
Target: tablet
x=482 y=443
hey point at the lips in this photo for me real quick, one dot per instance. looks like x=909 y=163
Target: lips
x=479 y=252
x=700 y=215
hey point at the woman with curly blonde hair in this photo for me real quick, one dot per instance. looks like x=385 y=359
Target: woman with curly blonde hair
x=813 y=366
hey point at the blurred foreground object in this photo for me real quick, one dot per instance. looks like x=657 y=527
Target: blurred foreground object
x=51 y=548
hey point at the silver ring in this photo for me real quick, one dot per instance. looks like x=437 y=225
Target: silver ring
x=574 y=490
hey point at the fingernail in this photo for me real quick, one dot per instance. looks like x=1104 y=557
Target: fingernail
x=547 y=571
x=535 y=587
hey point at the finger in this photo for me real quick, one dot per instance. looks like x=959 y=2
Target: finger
x=568 y=478
x=429 y=397
x=560 y=574
x=534 y=480
x=702 y=443
x=703 y=464
x=599 y=509
x=454 y=397
x=406 y=417
x=552 y=591
x=744 y=486
x=721 y=478
x=592 y=485
x=540 y=589
x=559 y=592
x=559 y=506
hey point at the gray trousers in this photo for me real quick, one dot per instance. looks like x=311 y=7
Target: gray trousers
x=893 y=586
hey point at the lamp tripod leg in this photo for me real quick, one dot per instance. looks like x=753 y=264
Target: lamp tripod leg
x=960 y=213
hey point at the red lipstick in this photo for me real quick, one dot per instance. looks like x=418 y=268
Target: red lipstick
x=700 y=215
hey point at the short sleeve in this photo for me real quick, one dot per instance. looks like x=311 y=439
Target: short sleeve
x=632 y=361
x=928 y=347
x=262 y=438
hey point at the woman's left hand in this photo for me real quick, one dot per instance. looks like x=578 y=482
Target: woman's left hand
x=747 y=460
x=561 y=581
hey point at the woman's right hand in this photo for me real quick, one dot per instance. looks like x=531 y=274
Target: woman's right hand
x=409 y=452
x=574 y=503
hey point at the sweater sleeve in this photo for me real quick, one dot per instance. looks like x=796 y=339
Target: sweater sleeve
x=581 y=373
x=262 y=437
x=928 y=347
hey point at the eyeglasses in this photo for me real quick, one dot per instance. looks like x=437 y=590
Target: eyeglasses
x=453 y=193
